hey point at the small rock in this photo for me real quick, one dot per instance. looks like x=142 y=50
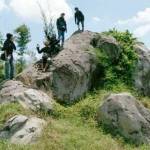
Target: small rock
x=22 y=130
x=29 y=98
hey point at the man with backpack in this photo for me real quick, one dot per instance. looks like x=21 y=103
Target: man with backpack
x=79 y=18
x=50 y=49
x=8 y=48
x=62 y=28
x=46 y=54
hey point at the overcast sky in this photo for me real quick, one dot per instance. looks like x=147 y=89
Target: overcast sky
x=100 y=15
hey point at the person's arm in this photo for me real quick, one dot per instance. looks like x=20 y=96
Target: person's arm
x=5 y=47
x=38 y=49
x=14 y=46
x=83 y=17
x=66 y=26
x=57 y=23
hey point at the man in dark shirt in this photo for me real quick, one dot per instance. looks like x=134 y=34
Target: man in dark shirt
x=62 y=28
x=51 y=48
x=79 y=18
x=8 y=48
x=46 y=54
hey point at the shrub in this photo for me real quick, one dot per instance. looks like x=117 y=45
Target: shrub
x=122 y=70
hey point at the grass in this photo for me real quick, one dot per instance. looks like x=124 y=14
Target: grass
x=73 y=127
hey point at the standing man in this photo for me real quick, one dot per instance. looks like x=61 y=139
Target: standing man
x=8 y=48
x=79 y=18
x=62 y=28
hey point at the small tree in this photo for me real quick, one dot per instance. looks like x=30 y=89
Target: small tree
x=48 y=23
x=1 y=63
x=1 y=41
x=22 y=39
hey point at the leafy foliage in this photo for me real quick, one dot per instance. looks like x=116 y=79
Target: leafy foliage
x=23 y=37
x=1 y=62
x=1 y=40
x=122 y=70
x=1 y=71
x=48 y=24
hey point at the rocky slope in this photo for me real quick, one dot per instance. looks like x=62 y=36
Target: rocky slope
x=71 y=75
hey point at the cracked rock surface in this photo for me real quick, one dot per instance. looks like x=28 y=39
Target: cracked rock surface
x=22 y=129
x=12 y=91
x=124 y=114
x=71 y=72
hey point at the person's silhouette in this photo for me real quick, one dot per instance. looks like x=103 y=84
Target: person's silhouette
x=62 y=28
x=79 y=18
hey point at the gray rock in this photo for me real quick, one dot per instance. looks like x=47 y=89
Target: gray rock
x=124 y=114
x=35 y=100
x=108 y=44
x=35 y=78
x=29 y=98
x=71 y=72
x=73 y=68
x=142 y=72
x=9 y=89
x=22 y=130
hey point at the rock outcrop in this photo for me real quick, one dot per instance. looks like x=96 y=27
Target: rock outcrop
x=108 y=44
x=29 y=98
x=22 y=130
x=142 y=72
x=124 y=114
x=74 y=68
x=141 y=75
x=34 y=78
x=70 y=76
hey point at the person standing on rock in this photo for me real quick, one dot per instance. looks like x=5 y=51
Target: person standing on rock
x=79 y=18
x=8 y=48
x=62 y=28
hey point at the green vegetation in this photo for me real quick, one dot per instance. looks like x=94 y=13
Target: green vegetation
x=48 y=24
x=73 y=127
x=22 y=39
x=121 y=70
x=1 y=62
x=1 y=71
x=1 y=40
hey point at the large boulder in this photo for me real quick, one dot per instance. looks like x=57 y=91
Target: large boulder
x=142 y=72
x=124 y=114
x=22 y=130
x=12 y=91
x=71 y=72
x=33 y=77
x=108 y=44
x=73 y=68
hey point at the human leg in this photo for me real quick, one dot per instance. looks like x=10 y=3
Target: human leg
x=44 y=61
x=82 y=23
x=78 y=23
x=11 y=68
x=63 y=38
x=7 y=69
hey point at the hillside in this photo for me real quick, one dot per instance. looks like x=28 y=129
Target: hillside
x=68 y=96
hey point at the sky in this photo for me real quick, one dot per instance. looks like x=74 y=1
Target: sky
x=100 y=15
